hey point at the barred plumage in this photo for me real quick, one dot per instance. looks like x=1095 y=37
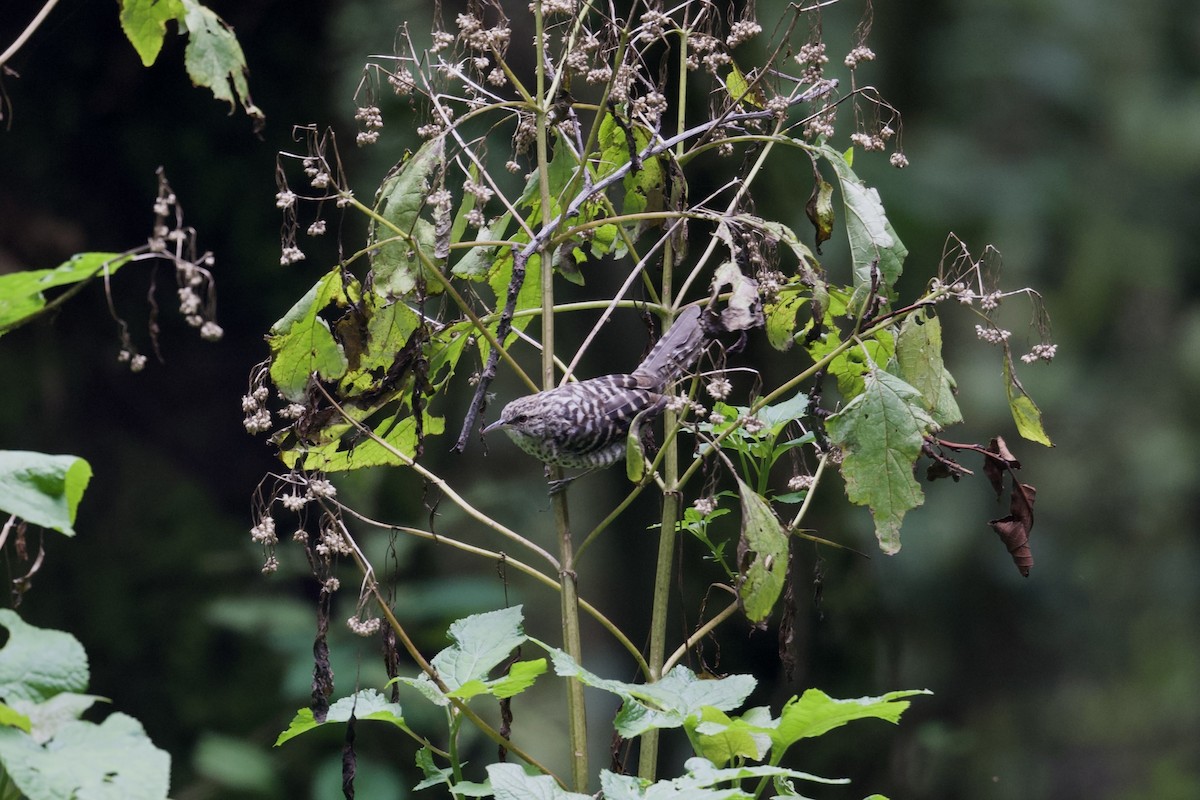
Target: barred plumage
x=583 y=425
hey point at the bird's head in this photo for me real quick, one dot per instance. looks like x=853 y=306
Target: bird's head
x=519 y=418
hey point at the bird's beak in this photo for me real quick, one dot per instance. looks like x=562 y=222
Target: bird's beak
x=495 y=426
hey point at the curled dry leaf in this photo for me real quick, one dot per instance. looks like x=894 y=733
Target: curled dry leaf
x=1014 y=529
x=994 y=470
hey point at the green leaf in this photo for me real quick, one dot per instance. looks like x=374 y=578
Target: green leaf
x=434 y=775
x=145 y=24
x=389 y=328
x=520 y=677
x=301 y=342
x=528 y=296
x=721 y=738
x=778 y=415
x=214 y=58
x=781 y=316
x=667 y=703
x=880 y=433
x=872 y=238
x=353 y=452
x=919 y=359
x=110 y=761
x=739 y=88
x=635 y=457
x=763 y=577
x=43 y=489
x=48 y=717
x=11 y=718
x=399 y=243
x=21 y=293
x=851 y=365
x=481 y=642
x=36 y=663
x=510 y=782
x=1024 y=411
x=646 y=189
x=701 y=781
x=815 y=713
x=365 y=704
x=479 y=261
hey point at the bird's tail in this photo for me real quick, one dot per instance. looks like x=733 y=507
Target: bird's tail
x=675 y=352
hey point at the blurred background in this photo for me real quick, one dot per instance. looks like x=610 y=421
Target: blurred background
x=1066 y=133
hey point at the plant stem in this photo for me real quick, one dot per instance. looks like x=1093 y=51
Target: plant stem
x=500 y=557
x=572 y=641
x=29 y=29
x=661 y=600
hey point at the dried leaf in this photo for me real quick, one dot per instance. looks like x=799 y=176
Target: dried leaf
x=993 y=470
x=1014 y=529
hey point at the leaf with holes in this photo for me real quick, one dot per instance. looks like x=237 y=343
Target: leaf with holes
x=919 y=357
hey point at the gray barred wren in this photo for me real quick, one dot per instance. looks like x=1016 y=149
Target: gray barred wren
x=584 y=425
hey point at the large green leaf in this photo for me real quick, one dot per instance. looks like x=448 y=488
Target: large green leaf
x=510 y=782
x=647 y=188
x=36 y=664
x=703 y=781
x=815 y=713
x=872 y=238
x=43 y=489
x=407 y=236
x=721 y=738
x=111 y=761
x=880 y=433
x=481 y=642
x=670 y=702
x=852 y=365
x=528 y=296
x=21 y=293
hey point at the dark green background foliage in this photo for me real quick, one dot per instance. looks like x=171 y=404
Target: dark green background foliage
x=1063 y=132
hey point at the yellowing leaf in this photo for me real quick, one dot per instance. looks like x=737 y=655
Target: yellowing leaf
x=1024 y=411
x=739 y=88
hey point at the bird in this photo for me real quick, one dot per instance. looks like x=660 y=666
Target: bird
x=584 y=425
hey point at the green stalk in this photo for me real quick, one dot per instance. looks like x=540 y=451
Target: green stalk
x=572 y=640
x=661 y=600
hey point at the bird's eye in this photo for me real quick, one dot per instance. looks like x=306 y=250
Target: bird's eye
x=515 y=418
